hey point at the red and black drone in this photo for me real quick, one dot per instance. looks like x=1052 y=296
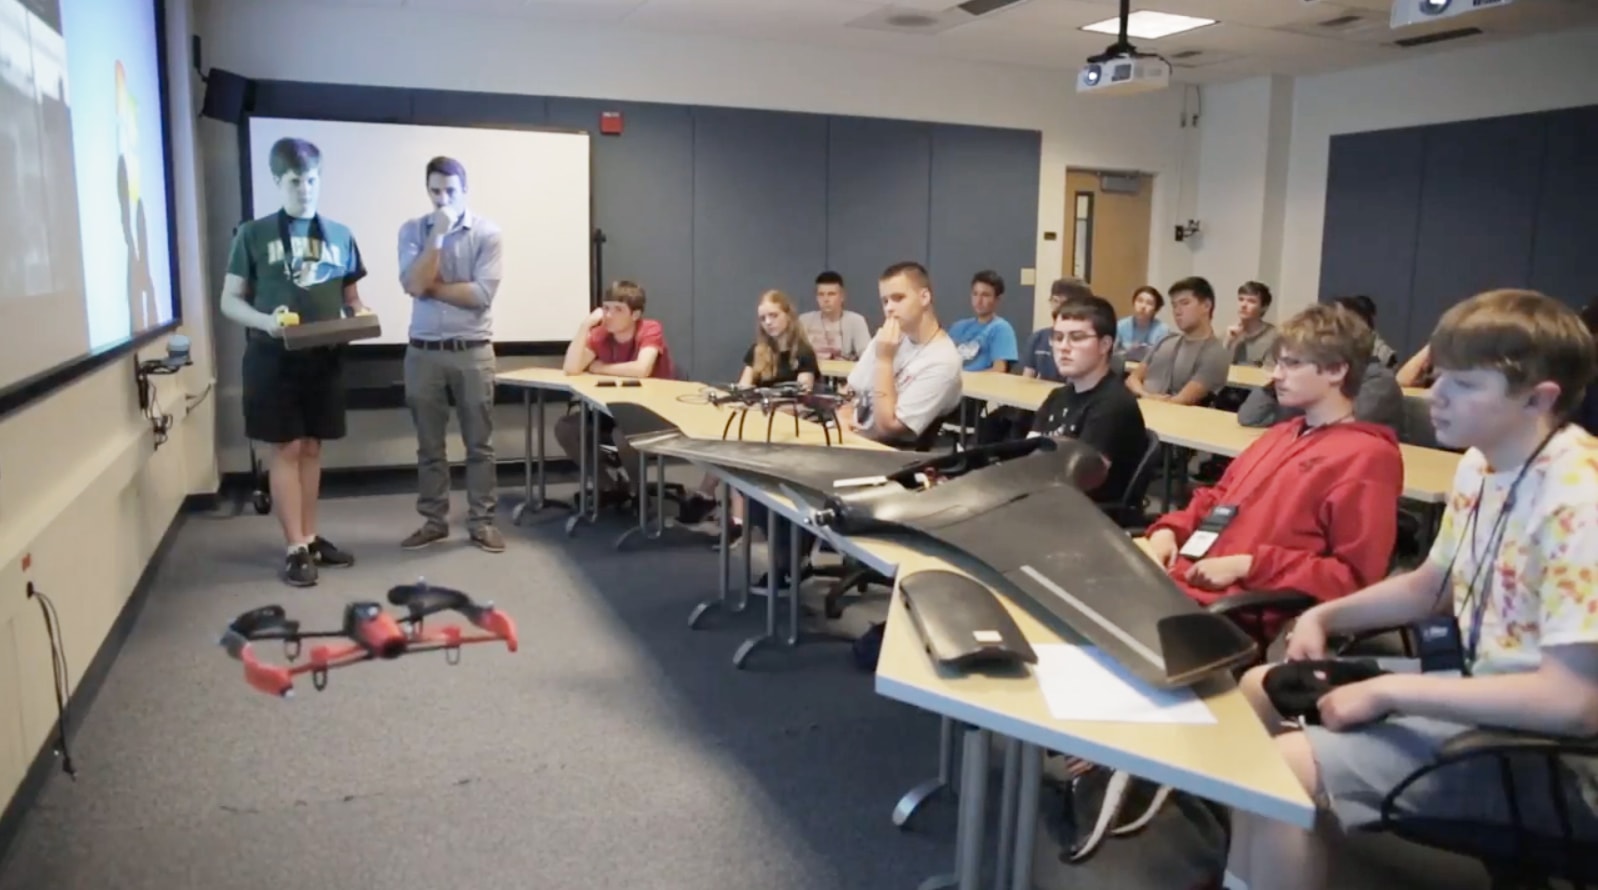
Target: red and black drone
x=374 y=634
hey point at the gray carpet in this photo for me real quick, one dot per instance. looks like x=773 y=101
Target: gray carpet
x=617 y=748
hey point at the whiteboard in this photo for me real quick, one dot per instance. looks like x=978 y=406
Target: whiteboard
x=534 y=184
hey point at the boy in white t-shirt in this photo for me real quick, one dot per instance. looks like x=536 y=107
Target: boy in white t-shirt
x=1515 y=560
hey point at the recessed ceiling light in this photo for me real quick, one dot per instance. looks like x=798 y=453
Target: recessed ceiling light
x=1146 y=24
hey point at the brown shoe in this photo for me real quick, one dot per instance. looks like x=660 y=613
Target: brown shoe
x=488 y=538
x=430 y=533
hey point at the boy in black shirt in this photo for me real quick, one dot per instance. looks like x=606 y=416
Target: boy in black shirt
x=1094 y=406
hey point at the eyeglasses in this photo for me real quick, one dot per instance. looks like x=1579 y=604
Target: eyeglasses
x=1074 y=336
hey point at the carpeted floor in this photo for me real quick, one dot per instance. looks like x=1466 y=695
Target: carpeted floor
x=617 y=749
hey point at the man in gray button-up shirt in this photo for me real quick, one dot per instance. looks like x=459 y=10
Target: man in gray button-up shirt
x=449 y=263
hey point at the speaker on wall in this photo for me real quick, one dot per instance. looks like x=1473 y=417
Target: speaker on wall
x=227 y=96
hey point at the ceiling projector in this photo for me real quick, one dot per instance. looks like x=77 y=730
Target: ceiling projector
x=1415 y=12
x=1123 y=73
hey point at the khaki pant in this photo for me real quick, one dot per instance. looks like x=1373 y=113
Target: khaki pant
x=432 y=378
x=568 y=435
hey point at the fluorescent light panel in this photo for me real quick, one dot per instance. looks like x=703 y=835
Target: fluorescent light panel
x=1146 y=24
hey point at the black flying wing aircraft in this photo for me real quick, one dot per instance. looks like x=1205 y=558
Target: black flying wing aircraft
x=1019 y=508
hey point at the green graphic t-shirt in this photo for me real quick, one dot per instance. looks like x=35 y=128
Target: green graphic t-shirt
x=309 y=277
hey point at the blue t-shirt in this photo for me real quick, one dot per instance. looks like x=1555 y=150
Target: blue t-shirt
x=981 y=344
x=1040 y=356
x=1137 y=342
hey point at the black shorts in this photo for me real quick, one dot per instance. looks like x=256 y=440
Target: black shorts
x=293 y=395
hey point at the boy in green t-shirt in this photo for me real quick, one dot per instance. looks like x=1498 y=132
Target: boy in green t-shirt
x=294 y=261
x=1512 y=565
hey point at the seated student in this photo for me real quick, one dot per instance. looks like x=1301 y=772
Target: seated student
x=1190 y=365
x=1251 y=340
x=1379 y=399
x=835 y=332
x=1094 y=406
x=1514 y=557
x=1365 y=308
x=1310 y=506
x=907 y=381
x=616 y=340
x=986 y=342
x=780 y=354
x=1038 y=359
x=1137 y=333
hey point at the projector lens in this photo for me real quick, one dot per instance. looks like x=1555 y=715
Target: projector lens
x=1434 y=7
x=1091 y=75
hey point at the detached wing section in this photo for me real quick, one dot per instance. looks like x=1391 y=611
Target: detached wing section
x=1029 y=520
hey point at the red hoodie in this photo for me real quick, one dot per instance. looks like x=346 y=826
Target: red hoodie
x=1318 y=511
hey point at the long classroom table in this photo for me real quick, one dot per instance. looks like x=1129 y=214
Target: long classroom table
x=1231 y=761
x=1428 y=472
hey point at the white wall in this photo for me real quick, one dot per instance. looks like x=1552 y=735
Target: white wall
x=82 y=490
x=1243 y=164
x=263 y=40
x=1534 y=74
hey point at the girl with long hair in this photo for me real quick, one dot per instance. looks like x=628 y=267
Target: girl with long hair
x=780 y=354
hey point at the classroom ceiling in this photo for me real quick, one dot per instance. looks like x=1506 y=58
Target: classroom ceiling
x=1249 y=37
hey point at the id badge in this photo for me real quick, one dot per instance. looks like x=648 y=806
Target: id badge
x=1439 y=644
x=1203 y=538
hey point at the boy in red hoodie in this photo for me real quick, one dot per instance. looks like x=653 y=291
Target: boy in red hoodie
x=1310 y=506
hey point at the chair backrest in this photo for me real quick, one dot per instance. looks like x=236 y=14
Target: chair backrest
x=1137 y=487
x=928 y=440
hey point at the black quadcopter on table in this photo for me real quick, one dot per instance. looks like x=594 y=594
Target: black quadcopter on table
x=816 y=404
x=372 y=634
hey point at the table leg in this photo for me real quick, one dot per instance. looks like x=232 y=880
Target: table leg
x=973 y=810
x=535 y=488
x=582 y=469
x=1007 y=809
x=795 y=561
x=723 y=559
x=1026 y=814
x=920 y=794
x=753 y=643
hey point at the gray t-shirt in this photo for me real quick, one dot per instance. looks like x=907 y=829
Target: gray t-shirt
x=848 y=337
x=1379 y=400
x=1177 y=361
x=1256 y=348
x=926 y=379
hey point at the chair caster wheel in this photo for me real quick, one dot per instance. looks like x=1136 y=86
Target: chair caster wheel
x=263 y=503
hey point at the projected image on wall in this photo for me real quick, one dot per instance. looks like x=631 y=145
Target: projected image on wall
x=36 y=154
x=117 y=154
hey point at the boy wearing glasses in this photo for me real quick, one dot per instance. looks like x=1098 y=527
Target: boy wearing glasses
x=1094 y=406
x=1312 y=505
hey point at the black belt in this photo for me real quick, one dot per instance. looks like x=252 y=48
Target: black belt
x=447 y=345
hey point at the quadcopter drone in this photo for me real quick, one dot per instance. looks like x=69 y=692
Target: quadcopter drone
x=819 y=405
x=373 y=632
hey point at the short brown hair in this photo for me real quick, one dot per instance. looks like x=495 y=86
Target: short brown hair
x=914 y=271
x=296 y=155
x=1070 y=289
x=1328 y=335
x=1096 y=311
x=1526 y=336
x=446 y=167
x=627 y=292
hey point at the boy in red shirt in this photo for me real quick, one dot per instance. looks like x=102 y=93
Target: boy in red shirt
x=1310 y=506
x=615 y=340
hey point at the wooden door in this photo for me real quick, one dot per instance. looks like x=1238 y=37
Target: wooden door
x=1107 y=218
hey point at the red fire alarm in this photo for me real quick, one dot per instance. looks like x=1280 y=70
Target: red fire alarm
x=610 y=123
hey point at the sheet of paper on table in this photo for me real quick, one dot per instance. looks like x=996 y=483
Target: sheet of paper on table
x=1082 y=683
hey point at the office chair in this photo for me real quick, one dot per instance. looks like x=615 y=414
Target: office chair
x=1514 y=855
x=1130 y=512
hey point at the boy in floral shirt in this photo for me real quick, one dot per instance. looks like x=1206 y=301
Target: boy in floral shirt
x=1515 y=559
